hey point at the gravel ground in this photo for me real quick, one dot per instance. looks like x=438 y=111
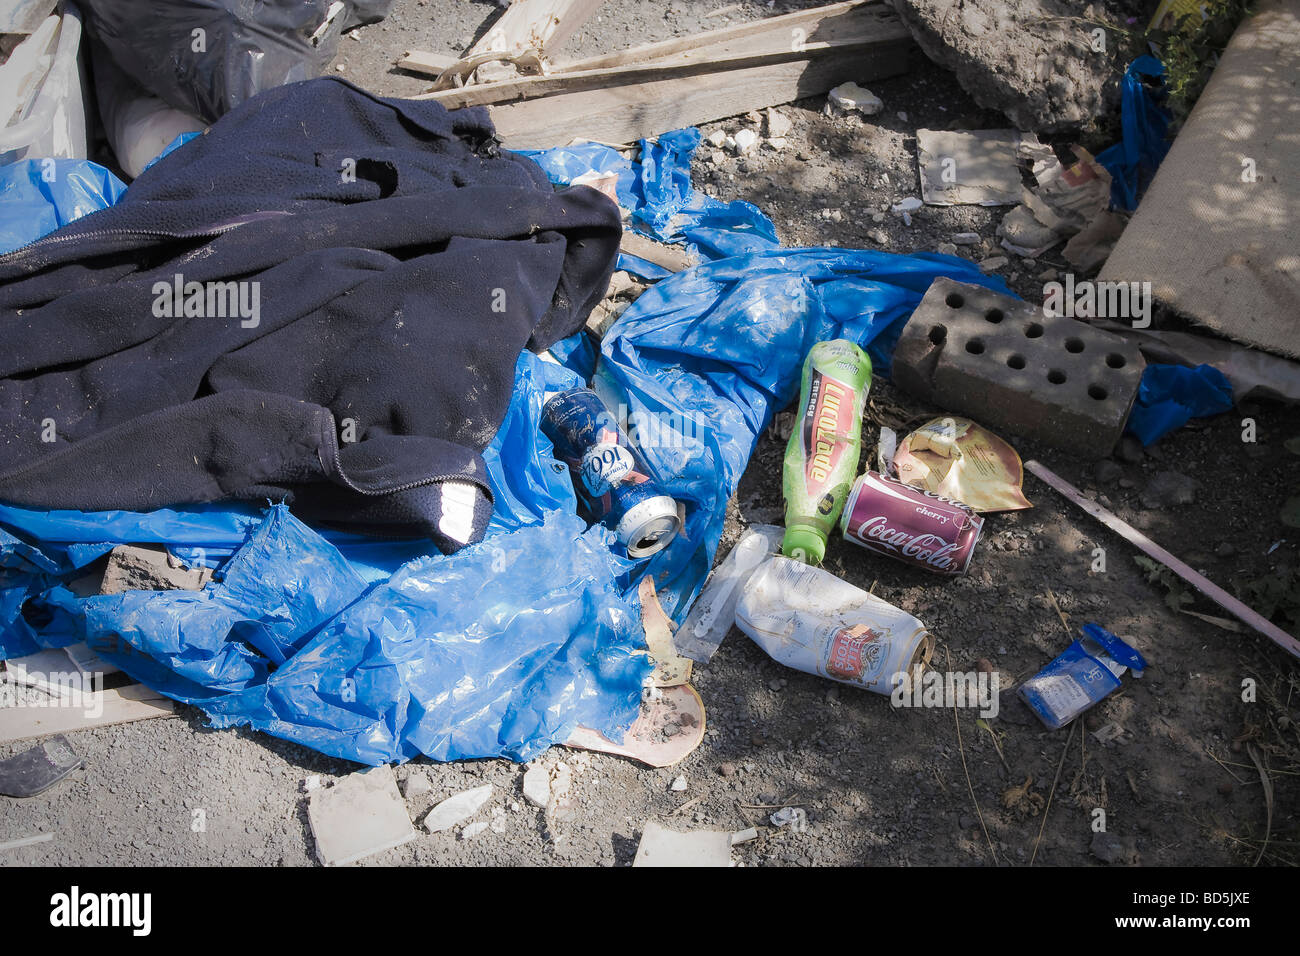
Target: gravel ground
x=880 y=786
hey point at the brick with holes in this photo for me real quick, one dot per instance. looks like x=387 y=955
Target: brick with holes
x=1004 y=363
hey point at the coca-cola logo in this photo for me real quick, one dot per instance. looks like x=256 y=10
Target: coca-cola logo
x=932 y=549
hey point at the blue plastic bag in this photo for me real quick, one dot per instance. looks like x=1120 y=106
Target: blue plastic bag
x=1132 y=162
x=501 y=649
x=700 y=363
x=658 y=194
x=38 y=196
x=1170 y=395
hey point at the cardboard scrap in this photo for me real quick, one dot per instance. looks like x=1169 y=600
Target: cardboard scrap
x=668 y=729
x=1064 y=202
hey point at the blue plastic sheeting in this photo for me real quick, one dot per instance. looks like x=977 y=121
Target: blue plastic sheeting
x=38 y=196
x=501 y=649
x=657 y=191
x=1132 y=162
x=700 y=363
x=1171 y=395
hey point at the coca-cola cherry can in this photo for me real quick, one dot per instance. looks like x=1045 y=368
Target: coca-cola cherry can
x=914 y=526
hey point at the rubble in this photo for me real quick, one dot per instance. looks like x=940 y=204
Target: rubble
x=850 y=97
x=660 y=846
x=537 y=786
x=133 y=568
x=1029 y=59
x=978 y=167
x=456 y=809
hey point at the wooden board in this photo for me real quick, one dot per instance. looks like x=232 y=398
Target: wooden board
x=535 y=24
x=807 y=28
x=1197 y=580
x=672 y=258
x=1216 y=234
x=648 y=90
x=812 y=28
x=626 y=113
x=120 y=706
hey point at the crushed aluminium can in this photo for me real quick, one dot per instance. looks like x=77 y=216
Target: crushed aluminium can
x=609 y=475
x=911 y=525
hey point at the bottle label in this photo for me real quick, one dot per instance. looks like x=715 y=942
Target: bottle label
x=826 y=423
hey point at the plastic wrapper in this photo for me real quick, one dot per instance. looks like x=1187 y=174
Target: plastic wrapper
x=205 y=57
x=1132 y=162
x=1087 y=671
x=959 y=459
x=37 y=196
x=42 y=93
x=1169 y=396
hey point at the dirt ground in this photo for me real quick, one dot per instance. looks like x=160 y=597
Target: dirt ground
x=880 y=786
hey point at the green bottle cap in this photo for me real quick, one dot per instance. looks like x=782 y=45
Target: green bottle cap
x=804 y=544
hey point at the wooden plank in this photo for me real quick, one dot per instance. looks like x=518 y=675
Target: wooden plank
x=628 y=112
x=692 y=64
x=534 y=25
x=422 y=61
x=786 y=32
x=124 y=705
x=1130 y=534
x=672 y=258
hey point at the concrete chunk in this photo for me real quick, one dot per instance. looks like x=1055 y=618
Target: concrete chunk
x=1006 y=364
x=663 y=847
x=457 y=808
x=537 y=786
x=132 y=568
x=359 y=816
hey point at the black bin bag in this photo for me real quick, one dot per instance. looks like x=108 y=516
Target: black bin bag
x=208 y=56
